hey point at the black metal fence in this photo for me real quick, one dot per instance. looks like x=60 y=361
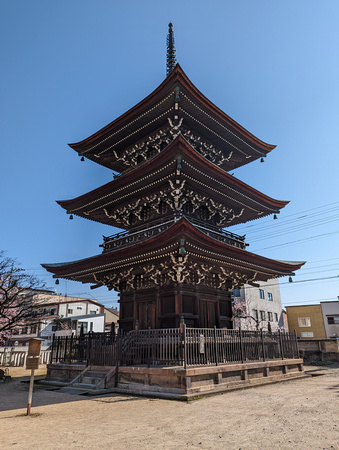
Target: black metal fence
x=175 y=347
x=92 y=348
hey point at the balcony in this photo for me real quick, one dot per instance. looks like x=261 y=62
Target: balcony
x=128 y=238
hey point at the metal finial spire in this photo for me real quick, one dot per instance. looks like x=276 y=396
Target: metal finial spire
x=171 y=57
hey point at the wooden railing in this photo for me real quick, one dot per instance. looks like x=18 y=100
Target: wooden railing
x=125 y=238
x=175 y=347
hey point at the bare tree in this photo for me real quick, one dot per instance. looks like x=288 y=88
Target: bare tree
x=239 y=310
x=16 y=288
x=248 y=318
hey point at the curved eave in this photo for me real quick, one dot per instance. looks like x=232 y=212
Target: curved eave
x=154 y=169
x=176 y=77
x=168 y=242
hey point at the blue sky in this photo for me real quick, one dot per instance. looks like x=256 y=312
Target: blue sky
x=71 y=67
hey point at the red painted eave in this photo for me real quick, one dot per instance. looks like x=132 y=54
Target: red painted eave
x=177 y=76
x=180 y=229
x=177 y=147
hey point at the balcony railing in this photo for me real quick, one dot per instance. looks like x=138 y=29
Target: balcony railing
x=127 y=238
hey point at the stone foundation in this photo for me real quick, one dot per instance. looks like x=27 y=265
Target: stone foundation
x=196 y=381
x=180 y=383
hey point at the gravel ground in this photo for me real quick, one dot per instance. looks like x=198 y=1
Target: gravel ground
x=298 y=414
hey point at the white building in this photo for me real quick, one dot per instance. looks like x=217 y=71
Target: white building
x=330 y=311
x=254 y=308
x=60 y=315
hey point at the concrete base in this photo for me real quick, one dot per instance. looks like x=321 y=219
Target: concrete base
x=194 y=382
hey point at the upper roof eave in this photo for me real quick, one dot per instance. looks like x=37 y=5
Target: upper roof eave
x=177 y=76
x=178 y=146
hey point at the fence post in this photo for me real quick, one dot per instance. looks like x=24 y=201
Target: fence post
x=70 y=349
x=281 y=345
x=118 y=345
x=263 y=345
x=183 y=343
x=241 y=345
x=215 y=346
x=53 y=342
x=89 y=348
x=65 y=350
x=148 y=347
x=296 y=344
x=57 y=351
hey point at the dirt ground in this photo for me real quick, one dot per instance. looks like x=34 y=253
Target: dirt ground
x=299 y=414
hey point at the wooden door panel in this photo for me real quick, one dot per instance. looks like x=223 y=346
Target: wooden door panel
x=146 y=315
x=207 y=314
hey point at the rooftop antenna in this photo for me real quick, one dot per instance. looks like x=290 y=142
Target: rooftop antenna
x=171 y=56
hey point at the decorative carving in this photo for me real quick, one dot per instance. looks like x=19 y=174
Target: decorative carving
x=114 y=280
x=142 y=151
x=236 y=278
x=177 y=269
x=207 y=150
x=155 y=143
x=177 y=199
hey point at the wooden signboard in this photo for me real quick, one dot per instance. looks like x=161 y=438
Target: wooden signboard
x=32 y=362
x=34 y=347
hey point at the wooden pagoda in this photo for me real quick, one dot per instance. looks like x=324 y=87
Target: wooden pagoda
x=173 y=197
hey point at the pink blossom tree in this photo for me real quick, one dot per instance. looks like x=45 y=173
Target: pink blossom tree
x=241 y=311
x=15 y=295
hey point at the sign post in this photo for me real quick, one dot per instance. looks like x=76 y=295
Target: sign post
x=32 y=364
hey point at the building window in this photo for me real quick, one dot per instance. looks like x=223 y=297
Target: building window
x=276 y=317
x=304 y=321
x=255 y=314
x=261 y=293
x=92 y=312
x=270 y=316
x=333 y=320
x=70 y=311
x=270 y=296
x=262 y=315
x=236 y=293
x=79 y=307
x=84 y=325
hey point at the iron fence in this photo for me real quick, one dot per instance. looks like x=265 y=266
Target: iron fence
x=204 y=346
x=175 y=347
x=151 y=347
x=91 y=348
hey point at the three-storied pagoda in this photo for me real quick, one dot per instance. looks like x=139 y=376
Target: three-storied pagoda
x=174 y=197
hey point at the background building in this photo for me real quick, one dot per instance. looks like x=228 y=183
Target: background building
x=330 y=312
x=254 y=308
x=315 y=321
x=60 y=315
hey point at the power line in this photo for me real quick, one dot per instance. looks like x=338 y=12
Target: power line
x=293 y=229
x=299 y=240
x=264 y=224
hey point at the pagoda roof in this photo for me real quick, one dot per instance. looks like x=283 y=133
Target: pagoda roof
x=153 y=112
x=198 y=246
x=199 y=175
